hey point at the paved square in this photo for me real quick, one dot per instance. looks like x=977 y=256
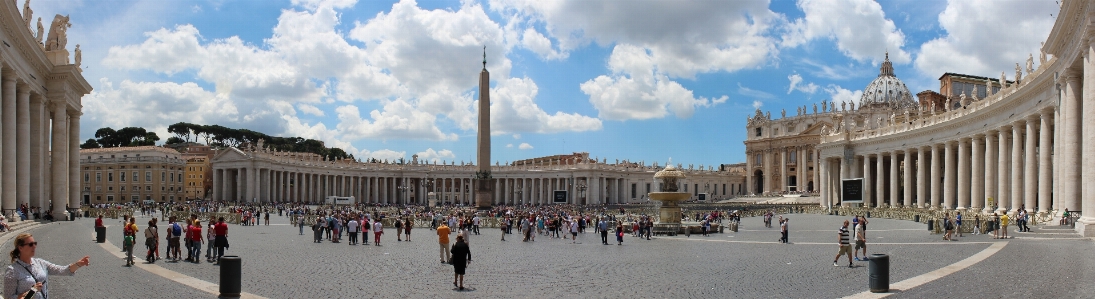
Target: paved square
x=279 y=263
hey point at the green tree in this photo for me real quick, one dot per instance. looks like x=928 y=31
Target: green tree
x=90 y=143
x=174 y=140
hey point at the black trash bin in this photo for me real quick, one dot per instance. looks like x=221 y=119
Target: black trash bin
x=879 y=273
x=231 y=267
x=100 y=234
x=868 y=214
x=931 y=225
x=86 y=213
x=916 y=218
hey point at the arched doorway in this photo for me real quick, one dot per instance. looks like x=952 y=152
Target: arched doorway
x=758 y=181
x=792 y=183
x=810 y=186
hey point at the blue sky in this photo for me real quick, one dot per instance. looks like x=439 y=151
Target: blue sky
x=634 y=80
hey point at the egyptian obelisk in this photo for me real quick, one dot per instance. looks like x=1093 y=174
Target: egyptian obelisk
x=484 y=191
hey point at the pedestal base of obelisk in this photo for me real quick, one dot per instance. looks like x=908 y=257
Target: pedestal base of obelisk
x=484 y=194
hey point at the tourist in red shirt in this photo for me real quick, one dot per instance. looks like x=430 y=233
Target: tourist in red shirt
x=196 y=241
x=99 y=221
x=221 y=239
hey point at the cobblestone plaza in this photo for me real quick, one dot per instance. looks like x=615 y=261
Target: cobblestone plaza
x=279 y=263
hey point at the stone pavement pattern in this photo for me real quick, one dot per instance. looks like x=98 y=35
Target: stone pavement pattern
x=279 y=263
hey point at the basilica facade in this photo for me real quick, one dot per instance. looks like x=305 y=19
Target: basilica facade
x=1019 y=146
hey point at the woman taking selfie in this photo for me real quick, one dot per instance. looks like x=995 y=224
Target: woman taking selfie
x=28 y=274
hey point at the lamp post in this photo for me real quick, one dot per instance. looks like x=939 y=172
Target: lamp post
x=403 y=187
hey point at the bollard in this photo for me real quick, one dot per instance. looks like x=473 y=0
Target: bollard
x=100 y=234
x=916 y=218
x=231 y=266
x=868 y=214
x=879 y=273
x=931 y=225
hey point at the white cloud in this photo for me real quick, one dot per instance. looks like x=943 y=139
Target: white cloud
x=840 y=95
x=757 y=104
x=986 y=37
x=434 y=156
x=541 y=45
x=639 y=92
x=516 y=136
x=514 y=110
x=419 y=65
x=722 y=36
x=753 y=93
x=309 y=109
x=859 y=28
x=385 y=154
x=796 y=79
x=525 y=146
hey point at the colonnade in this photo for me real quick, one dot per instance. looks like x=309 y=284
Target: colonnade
x=39 y=153
x=1000 y=170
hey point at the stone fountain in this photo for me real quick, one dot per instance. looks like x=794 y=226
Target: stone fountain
x=670 y=211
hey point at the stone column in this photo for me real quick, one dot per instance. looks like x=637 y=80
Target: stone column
x=1045 y=163
x=58 y=160
x=991 y=172
x=803 y=170
x=963 y=174
x=749 y=158
x=1016 y=165
x=936 y=179
x=922 y=181
x=1030 y=166
x=977 y=192
x=880 y=181
x=908 y=186
x=37 y=150
x=767 y=183
x=8 y=152
x=868 y=194
x=1071 y=157
x=73 y=160
x=1087 y=161
x=823 y=184
x=22 y=146
x=1002 y=183
x=949 y=175
x=895 y=186
x=816 y=155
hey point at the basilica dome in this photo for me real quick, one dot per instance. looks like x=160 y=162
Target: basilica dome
x=887 y=91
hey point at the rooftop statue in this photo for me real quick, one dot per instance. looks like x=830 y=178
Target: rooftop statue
x=1030 y=63
x=1042 y=55
x=843 y=106
x=58 y=36
x=783 y=113
x=41 y=31
x=1003 y=80
x=28 y=14
x=815 y=108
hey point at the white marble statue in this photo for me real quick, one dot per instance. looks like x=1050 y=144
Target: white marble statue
x=58 y=37
x=988 y=87
x=1030 y=63
x=1042 y=55
x=79 y=56
x=853 y=106
x=1003 y=80
x=783 y=113
x=41 y=32
x=907 y=115
x=28 y=14
x=824 y=106
x=844 y=106
x=893 y=118
x=1018 y=73
x=815 y=108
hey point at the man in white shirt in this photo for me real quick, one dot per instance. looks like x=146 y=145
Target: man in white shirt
x=351 y=228
x=475 y=226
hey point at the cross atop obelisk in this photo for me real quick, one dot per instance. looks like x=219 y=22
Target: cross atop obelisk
x=484 y=191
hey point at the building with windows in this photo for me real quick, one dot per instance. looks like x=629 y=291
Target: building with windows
x=132 y=174
x=195 y=182
x=1030 y=144
x=269 y=176
x=41 y=88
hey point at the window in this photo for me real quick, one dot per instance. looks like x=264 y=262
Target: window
x=794 y=157
x=98 y=198
x=98 y=176
x=123 y=188
x=163 y=177
x=110 y=198
x=633 y=190
x=696 y=189
x=87 y=177
x=122 y=177
x=685 y=187
x=136 y=197
x=109 y=188
x=648 y=188
x=757 y=131
x=148 y=188
x=135 y=176
x=162 y=188
x=172 y=176
x=723 y=189
x=147 y=176
x=758 y=160
x=109 y=176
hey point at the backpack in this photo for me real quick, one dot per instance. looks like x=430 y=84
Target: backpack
x=176 y=230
